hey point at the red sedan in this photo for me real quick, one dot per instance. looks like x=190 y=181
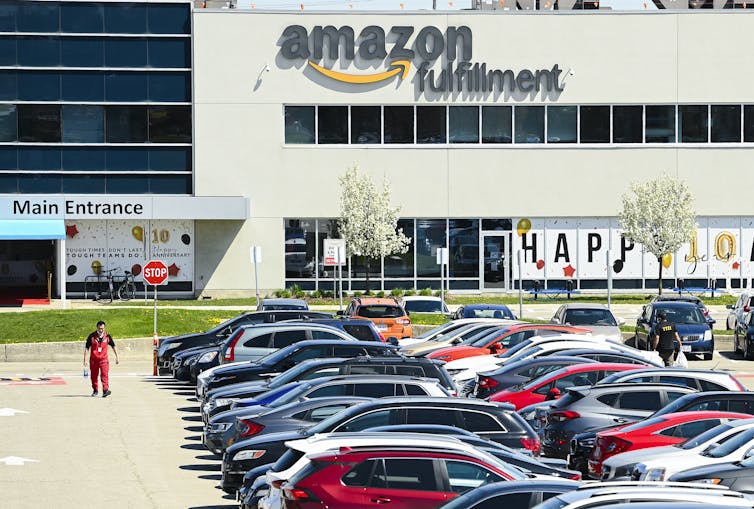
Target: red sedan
x=501 y=340
x=668 y=429
x=551 y=385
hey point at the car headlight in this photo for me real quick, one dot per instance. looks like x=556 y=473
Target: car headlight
x=220 y=427
x=172 y=346
x=711 y=480
x=707 y=335
x=192 y=360
x=223 y=401
x=250 y=454
x=208 y=357
x=654 y=474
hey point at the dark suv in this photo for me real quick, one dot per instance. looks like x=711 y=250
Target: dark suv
x=693 y=328
x=587 y=408
x=169 y=346
x=494 y=421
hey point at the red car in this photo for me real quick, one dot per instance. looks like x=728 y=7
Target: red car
x=539 y=389
x=668 y=429
x=403 y=478
x=501 y=340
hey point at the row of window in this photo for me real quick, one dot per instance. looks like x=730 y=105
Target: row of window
x=95 y=86
x=95 y=159
x=95 y=17
x=551 y=124
x=71 y=123
x=46 y=183
x=54 y=51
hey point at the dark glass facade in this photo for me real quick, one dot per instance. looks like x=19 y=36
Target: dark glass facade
x=95 y=97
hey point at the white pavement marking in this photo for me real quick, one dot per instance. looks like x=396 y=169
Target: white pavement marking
x=16 y=461
x=11 y=412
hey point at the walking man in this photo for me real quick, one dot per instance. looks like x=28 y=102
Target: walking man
x=99 y=364
x=665 y=338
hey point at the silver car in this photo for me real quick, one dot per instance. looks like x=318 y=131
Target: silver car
x=595 y=317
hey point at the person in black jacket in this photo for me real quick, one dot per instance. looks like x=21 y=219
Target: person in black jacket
x=665 y=338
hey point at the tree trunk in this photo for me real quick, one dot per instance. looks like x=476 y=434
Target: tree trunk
x=659 y=276
x=368 y=261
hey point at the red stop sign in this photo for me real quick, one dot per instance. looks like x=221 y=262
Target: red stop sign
x=155 y=272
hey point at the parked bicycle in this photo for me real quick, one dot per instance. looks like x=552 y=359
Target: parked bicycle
x=114 y=287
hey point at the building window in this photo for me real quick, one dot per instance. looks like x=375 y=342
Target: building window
x=595 y=124
x=83 y=124
x=126 y=124
x=38 y=51
x=82 y=52
x=365 y=124
x=399 y=124
x=430 y=234
x=39 y=159
x=83 y=158
x=749 y=123
x=530 y=124
x=463 y=124
x=8 y=122
x=300 y=244
x=561 y=124
x=660 y=124
x=125 y=52
x=299 y=124
x=82 y=17
x=497 y=124
x=694 y=123
x=39 y=123
x=627 y=124
x=463 y=247
x=402 y=264
x=725 y=123
x=332 y=125
x=38 y=16
x=170 y=124
x=430 y=124
x=126 y=18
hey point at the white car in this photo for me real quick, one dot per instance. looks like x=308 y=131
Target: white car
x=425 y=304
x=445 y=328
x=622 y=465
x=471 y=330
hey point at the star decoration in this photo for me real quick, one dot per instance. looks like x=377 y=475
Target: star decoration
x=173 y=270
x=736 y=265
x=71 y=231
x=569 y=270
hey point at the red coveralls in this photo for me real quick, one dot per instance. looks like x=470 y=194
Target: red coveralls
x=99 y=364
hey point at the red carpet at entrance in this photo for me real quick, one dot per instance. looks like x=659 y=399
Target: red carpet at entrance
x=6 y=301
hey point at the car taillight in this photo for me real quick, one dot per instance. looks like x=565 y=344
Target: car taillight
x=746 y=309
x=531 y=444
x=298 y=494
x=230 y=352
x=562 y=416
x=249 y=428
x=486 y=382
x=403 y=321
x=576 y=476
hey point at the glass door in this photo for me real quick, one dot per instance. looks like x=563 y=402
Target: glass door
x=496 y=261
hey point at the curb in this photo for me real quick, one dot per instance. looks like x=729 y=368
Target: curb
x=138 y=349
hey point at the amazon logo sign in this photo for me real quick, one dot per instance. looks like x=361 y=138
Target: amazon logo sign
x=394 y=53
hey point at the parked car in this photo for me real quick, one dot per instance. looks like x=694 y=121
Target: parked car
x=499 y=340
x=445 y=328
x=170 y=345
x=586 y=408
x=736 y=475
x=510 y=494
x=280 y=304
x=361 y=329
x=285 y=358
x=386 y=313
x=254 y=487
x=469 y=332
x=692 y=327
x=699 y=379
x=736 y=312
x=424 y=304
x=494 y=421
x=743 y=336
x=552 y=385
x=183 y=360
x=499 y=311
x=686 y=297
x=668 y=429
x=595 y=317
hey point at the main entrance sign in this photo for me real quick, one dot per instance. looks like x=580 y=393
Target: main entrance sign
x=398 y=50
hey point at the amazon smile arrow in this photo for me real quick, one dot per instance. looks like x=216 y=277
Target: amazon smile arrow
x=398 y=67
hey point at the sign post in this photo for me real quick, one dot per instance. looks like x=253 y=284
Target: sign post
x=608 y=256
x=256 y=259
x=335 y=256
x=156 y=274
x=520 y=285
x=442 y=261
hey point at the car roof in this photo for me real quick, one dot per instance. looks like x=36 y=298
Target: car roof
x=284 y=301
x=584 y=305
x=367 y=301
x=679 y=371
x=635 y=386
x=675 y=297
x=436 y=400
x=486 y=306
x=340 y=342
x=421 y=297
x=297 y=324
x=673 y=304
x=368 y=378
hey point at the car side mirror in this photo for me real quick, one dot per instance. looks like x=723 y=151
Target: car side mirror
x=455 y=341
x=621 y=321
x=392 y=340
x=496 y=348
x=408 y=313
x=729 y=306
x=340 y=312
x=749 y=453
x=227 y=331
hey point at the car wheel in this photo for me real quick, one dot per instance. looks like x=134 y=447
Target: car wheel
x=707 y=356
x=746 y=350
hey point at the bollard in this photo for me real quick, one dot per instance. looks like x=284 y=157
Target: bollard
x=154 y=355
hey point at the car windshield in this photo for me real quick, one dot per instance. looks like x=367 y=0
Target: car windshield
x=510 y=353
x=501 y=312
x=483 y=340
x=458 y=332
x=685 y=314
x=225 y=324
x=732 y=445
x=380 y=311
x=282 y=307
x=423 y=306
x=522 y=354
x=446 y=327
x=643 y=424
x=705 y=437
x=590 y=317
x=287 y=397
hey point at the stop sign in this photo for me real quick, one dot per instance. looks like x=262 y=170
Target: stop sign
x=155 y=272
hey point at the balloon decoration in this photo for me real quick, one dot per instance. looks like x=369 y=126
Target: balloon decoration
x=136 y=269
x=523 y=226
x=138 y=233
x=72 y=270
x=97 y=267
x=186 y=239
x=667 y=260
x=540 y=264
x=617 y=266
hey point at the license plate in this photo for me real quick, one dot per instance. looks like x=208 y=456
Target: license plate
x=381 y=326
x=686 y=348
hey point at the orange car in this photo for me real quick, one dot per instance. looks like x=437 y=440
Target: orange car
x=387 y=314
x=501 y=340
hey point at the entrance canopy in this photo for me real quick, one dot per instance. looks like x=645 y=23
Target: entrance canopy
x=32 y=229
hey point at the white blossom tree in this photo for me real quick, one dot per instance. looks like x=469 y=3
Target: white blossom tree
x=367 y=221
x=659 y=214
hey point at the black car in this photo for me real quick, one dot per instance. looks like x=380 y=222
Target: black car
x=691 y=324
x=737 y=475
x=254 y=487
x=743 y=337
x=285 y=358
x=510 y=494
x=169 y=346
x=498 y=422
x=183 y=360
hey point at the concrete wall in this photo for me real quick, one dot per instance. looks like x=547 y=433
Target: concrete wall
x=66 y=351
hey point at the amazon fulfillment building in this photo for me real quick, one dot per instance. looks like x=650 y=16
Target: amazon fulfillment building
x=164 y=130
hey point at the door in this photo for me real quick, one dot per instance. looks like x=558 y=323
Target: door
x=495 y=261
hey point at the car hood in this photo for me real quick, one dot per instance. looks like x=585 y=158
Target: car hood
x=609 y=331
x=243 y=367
x=645 y=455
x=685 y=329
x=458 y=352
x=231 y=390
x=424 y=346
x=708 y=471
x=474 y=362
x=269 y=438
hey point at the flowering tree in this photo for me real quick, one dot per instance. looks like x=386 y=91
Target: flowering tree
x=367 y=221
x=659 y=214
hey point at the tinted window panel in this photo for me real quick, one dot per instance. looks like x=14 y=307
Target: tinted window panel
x=463 y=124
x=122 y=86
x=39 y=184
x=170 y=124
x=530 y=124
x=365 y=124
x=170 y=184
x=261 y=341
x=360 y=474
x=83 y=124
x=640 y=400
x=497 y=124
x=410 y=474
x=430 y=124
x=8 y=51
x=83 y=86
x=464 y=476
x=479 y=422
x=126 y=18
x=595 y=124
x=38 y=17
x=84 y=159
x=126 y=124
x=402 y=264
x=627 y=124
x=8 y=122
x=39 y=158
x=170 y=159
x=8 y=184
x=82 y=52
x=430 y=234
x=374 y=390
x=561 y=124
x=660 y=124
x=8 y=86
x=168 y=19
x=127 y=159
x=130 y=52
x=287 y=338
x=82 y=17
x=399 y=124
x=39 y=123
x=168 y=53
x=693 y=121
x=432 y=416
x=726 y=123
x=370 y=420
x=299 y=124
x=127 y=184
x=38 y=86
x=170 y=87
x=748 y=121
x=8 y=16
x=413 y=390
x=332 y=124
x=84 y=184
x=8 y=158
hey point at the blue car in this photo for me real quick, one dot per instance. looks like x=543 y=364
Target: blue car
x=743 y=336
x=484 y=311
x=696 y=336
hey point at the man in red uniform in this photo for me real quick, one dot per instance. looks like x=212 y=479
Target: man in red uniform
x=99 y=365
